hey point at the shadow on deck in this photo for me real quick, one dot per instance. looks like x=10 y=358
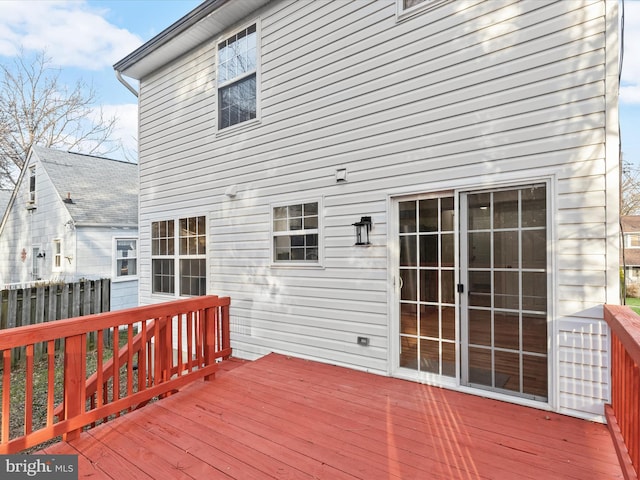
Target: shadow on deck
x=281 y=417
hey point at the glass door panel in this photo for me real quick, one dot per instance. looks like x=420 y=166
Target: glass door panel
x=505 y=312
x=427 y=293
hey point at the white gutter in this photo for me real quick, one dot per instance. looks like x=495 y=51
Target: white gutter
x=125 y=83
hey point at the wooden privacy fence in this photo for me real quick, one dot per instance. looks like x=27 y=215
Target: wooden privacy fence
x=176 y=343
x=48 y=302
x=623 y=414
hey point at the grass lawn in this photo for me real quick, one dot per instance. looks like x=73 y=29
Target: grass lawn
x=634 y=303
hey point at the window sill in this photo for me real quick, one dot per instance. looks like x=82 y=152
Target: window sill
x=402 y=14
x=238 y=128
x=125 y=279
x=289 y=265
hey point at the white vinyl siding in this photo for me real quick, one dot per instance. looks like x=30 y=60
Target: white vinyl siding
x=510 y=87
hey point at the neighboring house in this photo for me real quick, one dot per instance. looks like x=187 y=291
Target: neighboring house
x=5 y=195
x=479 y=137
x=73 y=216
x=630 y=254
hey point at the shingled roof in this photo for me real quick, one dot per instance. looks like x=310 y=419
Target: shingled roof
x=101 y=191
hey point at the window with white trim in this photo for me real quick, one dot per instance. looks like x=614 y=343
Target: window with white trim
x=32 y=185
x=237 y=77
x=188 y=259
x=296 y=235
x=632 y=240
x=57 y=254
x=126 y=258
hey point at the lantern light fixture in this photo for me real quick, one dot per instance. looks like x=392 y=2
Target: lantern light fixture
x=363 y=228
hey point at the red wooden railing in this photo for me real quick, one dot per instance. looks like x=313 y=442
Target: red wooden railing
x=623 y=414
x=175 y=343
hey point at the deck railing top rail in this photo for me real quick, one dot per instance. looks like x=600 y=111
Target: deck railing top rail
x=20 y=336
x=103 y=365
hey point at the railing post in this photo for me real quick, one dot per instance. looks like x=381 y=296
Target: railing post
x=226 y=331
x=208 y=320
x=74 y=379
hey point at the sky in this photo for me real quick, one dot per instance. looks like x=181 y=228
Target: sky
x=84 y=38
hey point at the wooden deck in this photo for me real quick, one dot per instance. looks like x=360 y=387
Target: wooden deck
x=280 y=417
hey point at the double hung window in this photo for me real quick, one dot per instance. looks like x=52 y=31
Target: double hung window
x=126 y=258
x=179 y=245
x=296 y=233
x=237 y=76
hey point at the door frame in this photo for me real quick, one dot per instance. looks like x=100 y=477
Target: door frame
x=456 y=188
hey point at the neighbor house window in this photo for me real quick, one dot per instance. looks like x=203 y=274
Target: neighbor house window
x=632 y=240
x=126 y=258
x=57 y=254
x=296 y=233
x=237 y=69
x=188 y=257
x=32 y=185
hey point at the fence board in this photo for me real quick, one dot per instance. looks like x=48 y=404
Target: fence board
x=12 y=310
x=75 y=300
x=46 y=303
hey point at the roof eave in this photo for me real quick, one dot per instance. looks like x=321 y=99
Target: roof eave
x=214 y=16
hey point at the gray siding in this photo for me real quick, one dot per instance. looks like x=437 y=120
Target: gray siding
x=467 y=95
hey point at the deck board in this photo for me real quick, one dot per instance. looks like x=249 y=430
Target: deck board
x=281 y=417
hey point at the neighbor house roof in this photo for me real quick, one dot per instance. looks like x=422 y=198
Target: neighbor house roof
x=207 y=20
x=630 y=223
x=102 y=192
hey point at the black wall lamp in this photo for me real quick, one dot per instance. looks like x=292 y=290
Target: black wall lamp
x=41 y=255
x=363 y=227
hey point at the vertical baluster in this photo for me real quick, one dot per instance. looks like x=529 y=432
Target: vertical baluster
x=116 y=366
x=6 y=394
x=141 y=354
x=130 y=360
x=28 y=392
x=190 y=342
x=157 y=380
x=180 y=322
x=51 y=376
x=99 y=369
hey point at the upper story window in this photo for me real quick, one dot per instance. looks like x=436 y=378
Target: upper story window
x=32 y=185
x=237 y=72
x=57 y=254
x=126 y=258
x=188 y=259
x=296 y=233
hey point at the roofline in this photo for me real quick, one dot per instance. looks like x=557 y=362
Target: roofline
x=106 y=225
x=169 y=33
x=14 y=194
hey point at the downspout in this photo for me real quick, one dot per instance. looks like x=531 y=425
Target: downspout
x=125 y=83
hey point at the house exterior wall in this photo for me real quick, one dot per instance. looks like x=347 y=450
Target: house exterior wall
x=34 y=225
x=465 y=95
x=95 y=259
x=86 y=252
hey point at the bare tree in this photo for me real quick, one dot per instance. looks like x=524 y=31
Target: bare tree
x=36 y=108
x=630 y=187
